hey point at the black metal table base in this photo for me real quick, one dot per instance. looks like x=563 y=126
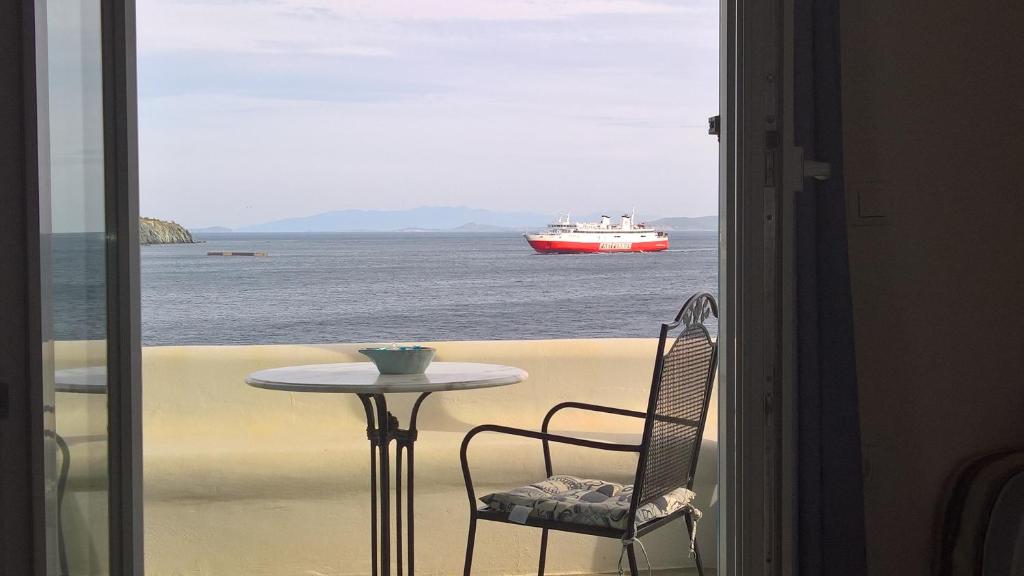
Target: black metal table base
x=382 y=427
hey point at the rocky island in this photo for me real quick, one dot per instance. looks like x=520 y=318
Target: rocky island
x=153 y=231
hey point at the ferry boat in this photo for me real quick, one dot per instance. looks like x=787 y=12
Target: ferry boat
x=566 y=237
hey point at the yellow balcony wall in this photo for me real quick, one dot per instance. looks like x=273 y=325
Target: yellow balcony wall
x=244 y=481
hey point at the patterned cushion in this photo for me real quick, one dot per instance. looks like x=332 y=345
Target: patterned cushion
x=588 y=502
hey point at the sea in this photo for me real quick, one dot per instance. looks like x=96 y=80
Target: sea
x=409 y=287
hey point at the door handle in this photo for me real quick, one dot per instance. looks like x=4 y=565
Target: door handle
x=715 y=126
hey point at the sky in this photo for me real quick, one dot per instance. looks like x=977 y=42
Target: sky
x=256 y=110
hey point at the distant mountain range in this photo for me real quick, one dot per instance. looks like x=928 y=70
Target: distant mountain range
x=438 y=218
x=683 y=224
x=424 y=218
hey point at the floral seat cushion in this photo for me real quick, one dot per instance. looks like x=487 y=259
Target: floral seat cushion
x=588 y=502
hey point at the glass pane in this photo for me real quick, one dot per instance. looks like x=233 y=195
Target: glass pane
x=74 y=236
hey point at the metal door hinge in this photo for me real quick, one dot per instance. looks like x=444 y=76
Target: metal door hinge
x=715 y=126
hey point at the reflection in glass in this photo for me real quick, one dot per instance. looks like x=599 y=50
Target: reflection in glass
x=75 y=290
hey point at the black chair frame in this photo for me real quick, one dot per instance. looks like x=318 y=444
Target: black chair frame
x=691 y=319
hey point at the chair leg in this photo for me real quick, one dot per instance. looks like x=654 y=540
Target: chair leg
x=696 y=558
x=631 y=554
x=543 y=551
x=696 y=546
x=468 y=569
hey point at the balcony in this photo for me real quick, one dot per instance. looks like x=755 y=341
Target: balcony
x=242 y=481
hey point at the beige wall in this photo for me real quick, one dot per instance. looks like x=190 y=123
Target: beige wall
x=932 y=104
x=243 y=481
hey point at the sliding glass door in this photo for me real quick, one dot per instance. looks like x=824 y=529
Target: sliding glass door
x=88 y=314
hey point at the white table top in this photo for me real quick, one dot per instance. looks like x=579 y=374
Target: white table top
x=88 y=380
x=363 y=378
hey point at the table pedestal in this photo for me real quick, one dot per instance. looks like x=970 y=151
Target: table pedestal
x=382 y=428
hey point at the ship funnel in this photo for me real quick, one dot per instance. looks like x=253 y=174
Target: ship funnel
x=606 y=221
x=627 y=222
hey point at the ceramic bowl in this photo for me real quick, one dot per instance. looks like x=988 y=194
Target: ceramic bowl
x=400 y=360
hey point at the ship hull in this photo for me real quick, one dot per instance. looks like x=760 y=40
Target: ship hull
x=576 y=247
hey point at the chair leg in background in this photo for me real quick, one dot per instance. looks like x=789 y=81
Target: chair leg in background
x=631 y=554
x=543 y=551
x=468 y=569
x=696 y=558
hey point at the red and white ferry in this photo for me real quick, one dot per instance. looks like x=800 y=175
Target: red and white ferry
x=566 y=237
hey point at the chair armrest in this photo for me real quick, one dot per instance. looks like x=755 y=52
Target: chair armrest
x=580 y=406
x=596 y=444
x=590 y=407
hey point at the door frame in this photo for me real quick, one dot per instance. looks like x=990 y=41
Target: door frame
x=759 y=172
x=124 y=348
x=22 y=475
x=755 y=276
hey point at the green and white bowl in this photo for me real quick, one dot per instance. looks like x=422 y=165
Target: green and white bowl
x=400 y=359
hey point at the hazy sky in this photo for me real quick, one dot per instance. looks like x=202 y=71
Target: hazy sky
x=253 y=110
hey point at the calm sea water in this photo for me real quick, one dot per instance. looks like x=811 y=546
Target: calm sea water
x=387 y=287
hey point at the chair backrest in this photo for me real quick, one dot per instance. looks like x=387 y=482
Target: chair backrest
x=684 y=371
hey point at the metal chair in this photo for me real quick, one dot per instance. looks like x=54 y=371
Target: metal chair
x=673 y=426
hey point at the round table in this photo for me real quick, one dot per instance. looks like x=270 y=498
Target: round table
x=382 y=427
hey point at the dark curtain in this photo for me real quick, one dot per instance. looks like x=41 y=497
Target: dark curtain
x=830 y=499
